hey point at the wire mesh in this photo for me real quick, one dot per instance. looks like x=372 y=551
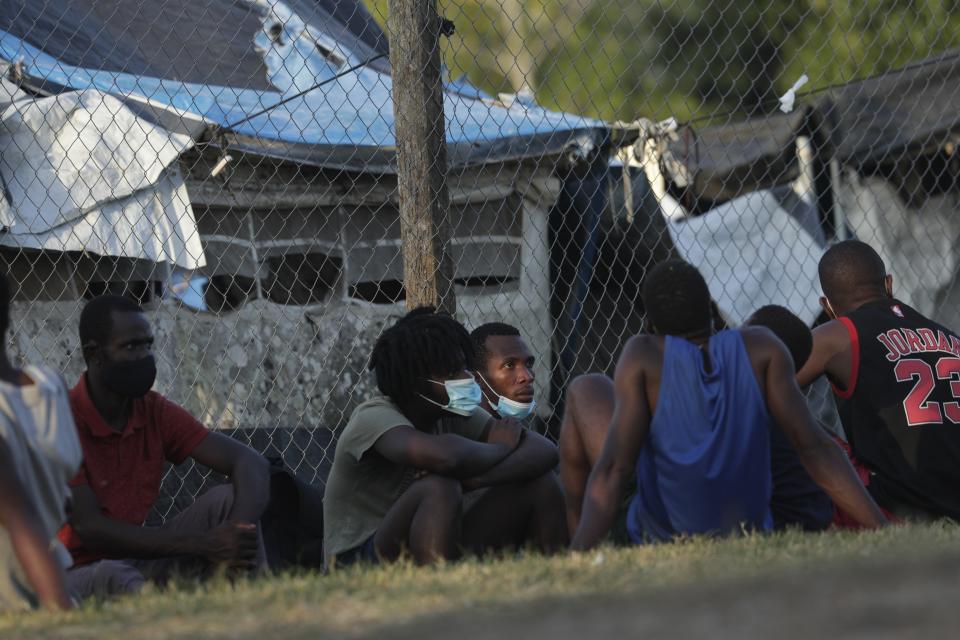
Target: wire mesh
x=230 y=164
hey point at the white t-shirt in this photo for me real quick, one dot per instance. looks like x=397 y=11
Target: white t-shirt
x=37 y=427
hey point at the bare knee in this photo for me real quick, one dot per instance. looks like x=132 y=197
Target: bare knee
x=589 y=409
x=588 y=389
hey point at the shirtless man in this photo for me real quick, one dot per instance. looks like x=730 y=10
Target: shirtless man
x=690 y=428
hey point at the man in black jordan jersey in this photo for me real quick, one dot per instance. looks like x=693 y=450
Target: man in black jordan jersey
x=896 y=375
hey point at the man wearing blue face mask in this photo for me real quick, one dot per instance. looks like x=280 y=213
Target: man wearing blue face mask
x=504 y=370
x=128 y=433
x=406 y=458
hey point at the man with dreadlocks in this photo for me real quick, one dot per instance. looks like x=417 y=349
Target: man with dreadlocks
x=406 y=458
x=690 y=428
x=896 y=376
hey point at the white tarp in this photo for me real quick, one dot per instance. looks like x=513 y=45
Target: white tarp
x=83 y=173
x=918 y=245
x=752 y=253
x=154 y=224
x=9 y=93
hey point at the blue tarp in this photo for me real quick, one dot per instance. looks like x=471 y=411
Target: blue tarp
x=347 y=123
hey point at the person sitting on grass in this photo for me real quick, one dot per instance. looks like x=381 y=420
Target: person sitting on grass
x=894 y=373
x=504 y=370
x=688 y=442
x=796 y=499
x=39 y=453
x=128 y=433
x=406 y=459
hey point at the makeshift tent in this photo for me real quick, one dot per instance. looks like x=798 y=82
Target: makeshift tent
x=306 y=211
x=222 y=61
x=882 y=169
x=867 y=122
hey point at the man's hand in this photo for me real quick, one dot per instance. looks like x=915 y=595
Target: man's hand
x=232 y=545
x=506 y=432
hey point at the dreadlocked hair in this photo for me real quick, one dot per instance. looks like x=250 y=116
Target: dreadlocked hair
x=421 y=344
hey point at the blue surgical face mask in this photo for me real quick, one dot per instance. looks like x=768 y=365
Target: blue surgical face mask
x=507 y=408
x=463 y=396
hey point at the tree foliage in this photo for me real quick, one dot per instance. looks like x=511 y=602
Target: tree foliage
x=621 y=60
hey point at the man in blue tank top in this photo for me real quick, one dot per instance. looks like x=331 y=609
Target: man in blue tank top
x=691 y=424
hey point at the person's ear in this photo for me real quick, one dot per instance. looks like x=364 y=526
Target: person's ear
x=888 y=284
x=827 y=308
x=92 y=353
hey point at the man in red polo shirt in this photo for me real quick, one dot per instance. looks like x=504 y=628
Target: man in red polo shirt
x=128 y=433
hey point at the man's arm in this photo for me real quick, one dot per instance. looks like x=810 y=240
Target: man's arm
x=247 y=469
x=535 y=456
x=444 y=454
x=28 y=540
x=820 y=455
x=830 y=355
x=628 y=430
x=233 y=543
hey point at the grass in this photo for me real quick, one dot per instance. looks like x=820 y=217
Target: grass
x=365 y=600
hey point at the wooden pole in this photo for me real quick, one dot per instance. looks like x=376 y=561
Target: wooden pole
x=414 y=27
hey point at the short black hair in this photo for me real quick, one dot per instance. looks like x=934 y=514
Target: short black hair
x=851 y=268
x=96 y=319
x=479 y=338
x=4 y=304
x=422 y=343
x=677 y=299
x=792 y=331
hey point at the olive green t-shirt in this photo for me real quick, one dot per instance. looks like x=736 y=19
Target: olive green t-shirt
x=363 y=485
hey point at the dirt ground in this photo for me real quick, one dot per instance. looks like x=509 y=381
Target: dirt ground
x=892 y=599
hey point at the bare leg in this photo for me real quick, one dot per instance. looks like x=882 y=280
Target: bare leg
x=512 y=515
x=589 y=409
x=425 y=521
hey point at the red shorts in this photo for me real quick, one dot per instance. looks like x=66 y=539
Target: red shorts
x=842 y=520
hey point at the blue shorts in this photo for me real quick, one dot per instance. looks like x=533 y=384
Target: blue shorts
x=364 y=553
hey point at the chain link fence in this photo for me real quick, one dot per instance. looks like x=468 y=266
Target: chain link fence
x=230 y=164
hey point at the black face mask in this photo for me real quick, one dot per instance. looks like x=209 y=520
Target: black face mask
x=132 y=379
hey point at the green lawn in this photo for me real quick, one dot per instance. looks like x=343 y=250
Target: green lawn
x=380 y=600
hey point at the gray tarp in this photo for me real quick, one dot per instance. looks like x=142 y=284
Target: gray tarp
x=874 y=120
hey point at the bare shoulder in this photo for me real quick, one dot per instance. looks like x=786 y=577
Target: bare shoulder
x=833 y=333
x=764 y=348
x=641 y=350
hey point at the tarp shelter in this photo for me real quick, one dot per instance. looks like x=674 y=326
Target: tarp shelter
x=307 y=209
x=188 y=64
x=223 y=60
x=893 y=183
x=860 y=123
